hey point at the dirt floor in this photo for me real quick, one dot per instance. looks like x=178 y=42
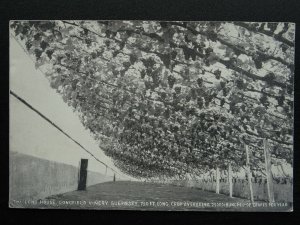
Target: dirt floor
x=127 y=195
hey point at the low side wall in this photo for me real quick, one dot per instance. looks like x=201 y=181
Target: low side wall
x=283 y=188
x=33 y=178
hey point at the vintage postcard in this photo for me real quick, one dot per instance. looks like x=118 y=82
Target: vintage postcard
x=151 y=115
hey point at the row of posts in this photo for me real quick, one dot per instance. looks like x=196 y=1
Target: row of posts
x=267 y=158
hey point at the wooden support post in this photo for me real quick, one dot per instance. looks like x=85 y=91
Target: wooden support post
x=82 y=175
x=268 y=172
x=105 y=170
x=249 y=175
x=218 y=180
x=230 y=180
x=114 y=177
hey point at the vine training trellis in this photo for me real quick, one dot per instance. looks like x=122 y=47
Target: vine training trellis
x=167 y=99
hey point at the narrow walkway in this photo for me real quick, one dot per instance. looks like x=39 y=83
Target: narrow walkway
x=147 y=196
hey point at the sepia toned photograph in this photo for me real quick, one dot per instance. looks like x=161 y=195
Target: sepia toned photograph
x=151 y=115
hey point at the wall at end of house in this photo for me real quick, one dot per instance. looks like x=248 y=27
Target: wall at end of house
x=43 y=161
x=33 y=178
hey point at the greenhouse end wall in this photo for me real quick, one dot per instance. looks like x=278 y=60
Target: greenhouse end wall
x=33 y=178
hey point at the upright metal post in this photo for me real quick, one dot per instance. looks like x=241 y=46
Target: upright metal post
x=268 y=171
x=230 y=180
x=218 y=180
x=249 y=175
